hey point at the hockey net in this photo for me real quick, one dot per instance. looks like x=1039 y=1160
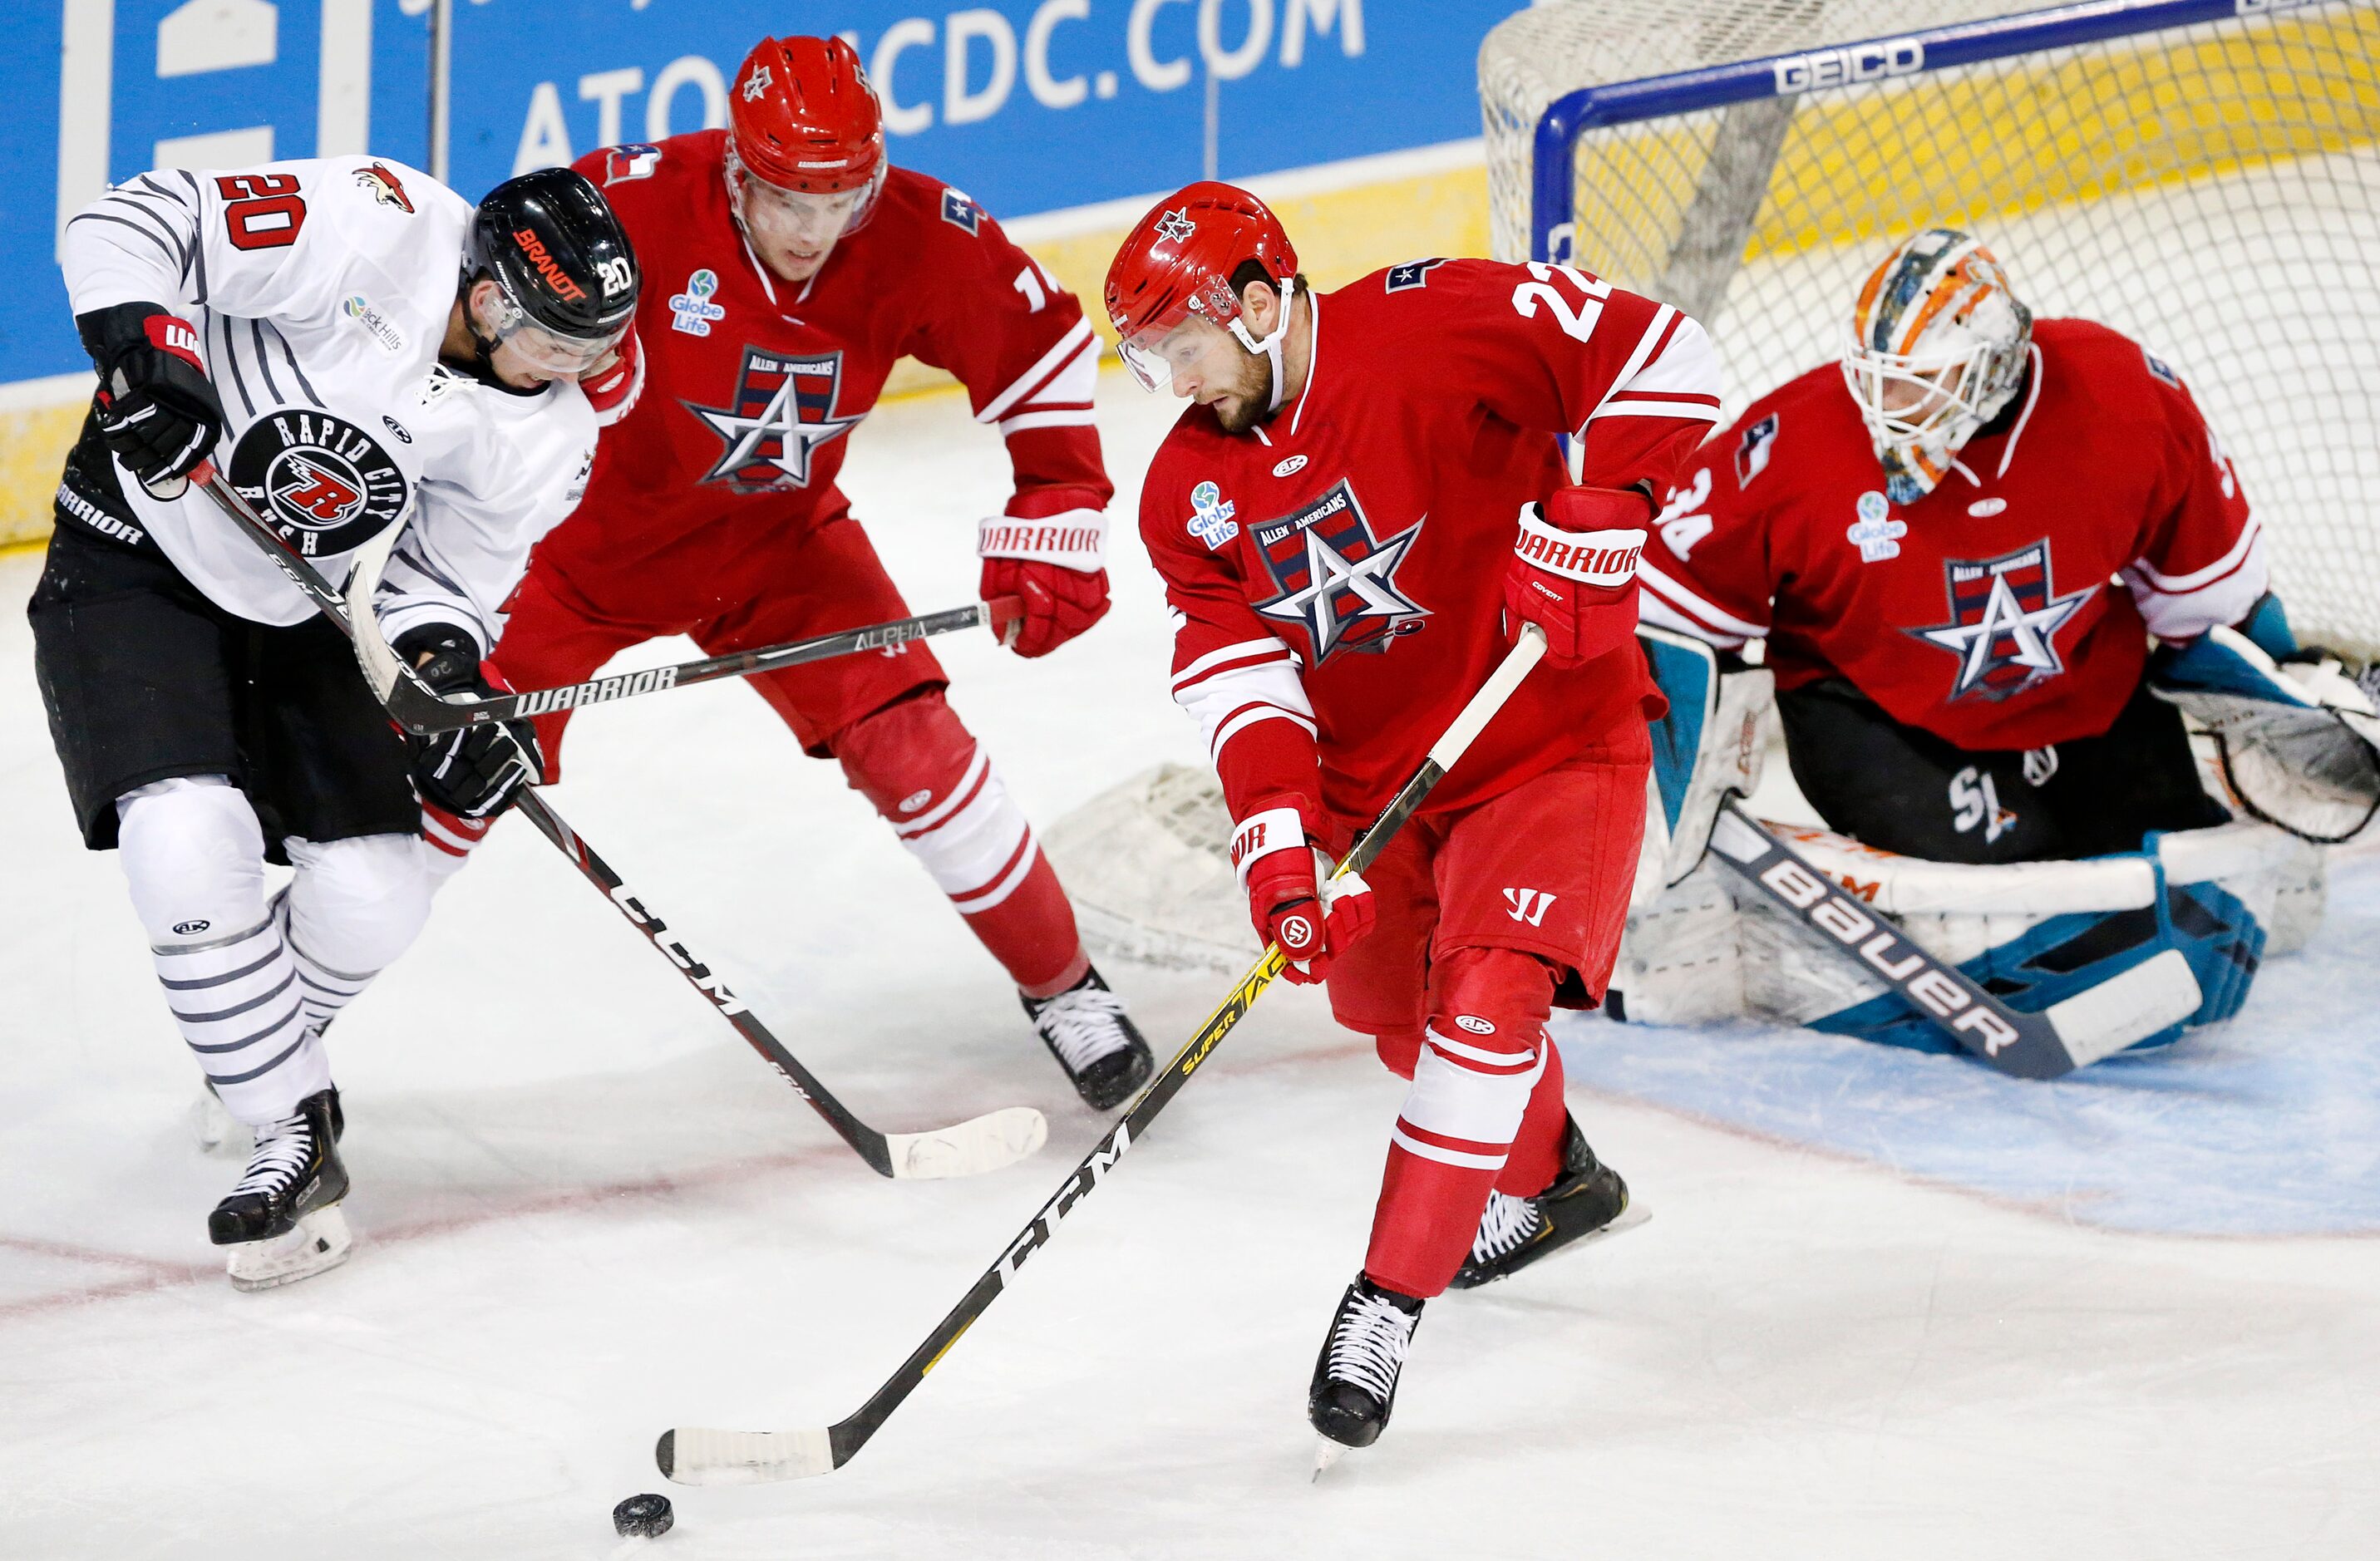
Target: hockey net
x=2200 y=175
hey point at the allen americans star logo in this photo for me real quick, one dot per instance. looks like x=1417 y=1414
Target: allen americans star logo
x=2005 y=614
x=1175 y=226
x=1335 y=578
x=783 y=410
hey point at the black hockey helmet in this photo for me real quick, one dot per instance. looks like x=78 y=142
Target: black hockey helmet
x=560 y=256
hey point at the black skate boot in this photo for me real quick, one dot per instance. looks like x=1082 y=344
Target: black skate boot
x=1086 y=1029
x=1355 y=1376
x=293 y=1170
x=1587 y=1198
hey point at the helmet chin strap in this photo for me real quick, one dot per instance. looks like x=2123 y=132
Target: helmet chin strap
x=1275 y=340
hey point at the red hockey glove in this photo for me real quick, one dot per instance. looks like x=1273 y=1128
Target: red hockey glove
x=1059 y=602
x=1290 y=899
x=1052 y=563
x=612 y=387
x=1573 y=572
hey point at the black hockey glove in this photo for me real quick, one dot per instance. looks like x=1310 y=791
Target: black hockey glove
x=474 y=772
x=157 y=410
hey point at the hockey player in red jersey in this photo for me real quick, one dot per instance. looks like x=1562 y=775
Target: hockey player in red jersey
x=1957 y=567
x=793 y=265
x=1365 y=502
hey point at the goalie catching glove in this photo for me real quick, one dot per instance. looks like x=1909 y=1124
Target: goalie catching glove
x=1054 y=566
x=1574 y=573
x=473 y=772
x=1292 y=898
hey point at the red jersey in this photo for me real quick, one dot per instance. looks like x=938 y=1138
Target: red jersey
x=2010 y=608
x=1336 y=576
x=753 y=384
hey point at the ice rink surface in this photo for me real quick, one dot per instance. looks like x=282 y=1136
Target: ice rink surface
x=1888 y=1306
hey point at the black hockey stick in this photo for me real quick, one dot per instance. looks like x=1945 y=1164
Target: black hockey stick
x=425 y=714
x=2089 y=1025
x=968 y=1148
x=693 y=1456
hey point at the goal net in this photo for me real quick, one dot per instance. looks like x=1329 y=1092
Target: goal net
x=2200 y=175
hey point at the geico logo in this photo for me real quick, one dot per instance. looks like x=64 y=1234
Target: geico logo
x=1860 y=62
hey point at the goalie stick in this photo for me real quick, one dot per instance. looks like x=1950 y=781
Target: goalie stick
x=2155 y=993
x=425 y=714
x=1703 y=768
x=695 y=1456
x=968 y=1148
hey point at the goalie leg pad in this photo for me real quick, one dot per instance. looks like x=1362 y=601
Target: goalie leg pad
x=932 y=782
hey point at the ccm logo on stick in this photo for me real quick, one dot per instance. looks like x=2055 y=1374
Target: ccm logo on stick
x=1929 y=987
x=1839 y=68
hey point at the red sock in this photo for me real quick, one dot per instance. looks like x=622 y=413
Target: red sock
x=938 y=790
x=1482 y=1066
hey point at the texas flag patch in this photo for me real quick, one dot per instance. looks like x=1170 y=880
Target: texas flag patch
x=625 y=162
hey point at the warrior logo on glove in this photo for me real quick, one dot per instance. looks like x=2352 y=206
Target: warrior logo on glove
x=1336 y=579
x=324 y=482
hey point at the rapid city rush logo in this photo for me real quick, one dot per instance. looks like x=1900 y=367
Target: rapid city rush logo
x=327 y=486
x=781 y=411
x=1333 y=577
x=2005 y=614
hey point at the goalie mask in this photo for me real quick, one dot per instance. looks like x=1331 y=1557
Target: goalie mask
x=1936 y=348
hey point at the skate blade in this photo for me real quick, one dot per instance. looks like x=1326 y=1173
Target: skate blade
x=1326 y=1453
x=320 y=1240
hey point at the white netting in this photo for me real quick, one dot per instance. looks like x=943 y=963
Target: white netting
x=2212 y=191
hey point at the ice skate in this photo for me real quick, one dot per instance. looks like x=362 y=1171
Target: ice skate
x=1355 y=1376
x=1586 y=1200
x=282 y=1221
x=1086 y=1030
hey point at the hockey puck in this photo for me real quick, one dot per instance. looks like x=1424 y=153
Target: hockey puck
x=645 y=1517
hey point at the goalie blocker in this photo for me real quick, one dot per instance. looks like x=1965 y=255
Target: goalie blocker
x=2121 y=951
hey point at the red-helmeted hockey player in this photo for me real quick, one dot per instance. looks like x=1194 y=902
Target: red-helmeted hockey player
x=1959 y=566
x=1365 y=502
x=793 y=264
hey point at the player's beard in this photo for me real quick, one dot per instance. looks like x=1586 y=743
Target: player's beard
x=1250 y=401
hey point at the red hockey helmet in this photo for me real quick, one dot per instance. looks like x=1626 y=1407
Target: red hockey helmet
x=1178 y=261
x=801 y=117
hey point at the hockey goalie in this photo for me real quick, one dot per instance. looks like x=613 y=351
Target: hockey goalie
x=1994 y=563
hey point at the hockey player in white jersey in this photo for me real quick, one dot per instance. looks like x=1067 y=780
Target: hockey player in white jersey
x=354 y=347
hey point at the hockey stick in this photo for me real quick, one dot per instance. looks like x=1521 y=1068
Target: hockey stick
x=425 y=714
x=693 y=1456
x=968 y=1148
x=2157 y=992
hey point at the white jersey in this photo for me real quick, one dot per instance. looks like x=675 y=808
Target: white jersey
x=321 y=291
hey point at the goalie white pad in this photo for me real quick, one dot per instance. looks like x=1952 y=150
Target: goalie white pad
x=2216 y=899
x=2297 y=746
x=1149 y=866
